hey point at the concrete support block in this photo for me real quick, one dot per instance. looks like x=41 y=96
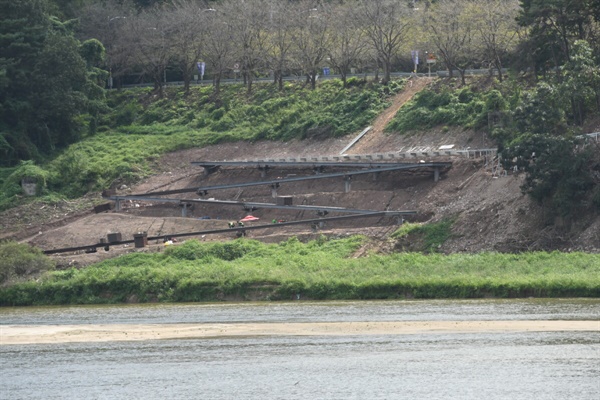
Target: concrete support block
x=118 y=205
x=436 y=174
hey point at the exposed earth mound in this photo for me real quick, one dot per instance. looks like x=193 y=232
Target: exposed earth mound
x=488 y=209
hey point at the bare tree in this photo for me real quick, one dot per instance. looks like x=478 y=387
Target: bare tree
x=149 y=33
x=497 y=29
x=348 y=40
x=107 y=21
x=218 y=50
x=249 y=20
x=387 y=24
x=279 y=40
x=310 y=37
x=187 y=31
x=453 y=34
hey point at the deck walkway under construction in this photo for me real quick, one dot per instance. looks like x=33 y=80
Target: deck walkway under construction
x=436 y=168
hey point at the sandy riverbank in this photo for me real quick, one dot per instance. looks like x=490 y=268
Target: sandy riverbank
x=36 y=334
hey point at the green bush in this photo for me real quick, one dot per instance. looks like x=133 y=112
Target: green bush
x=125 y=115
x=432 y=235
x=21 y=260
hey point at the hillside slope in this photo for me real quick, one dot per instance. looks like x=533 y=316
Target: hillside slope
x=488 y=209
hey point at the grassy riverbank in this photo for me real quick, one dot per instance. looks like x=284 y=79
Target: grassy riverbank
x=321 y=269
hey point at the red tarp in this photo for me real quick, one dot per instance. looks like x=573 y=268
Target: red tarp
x=249 y=218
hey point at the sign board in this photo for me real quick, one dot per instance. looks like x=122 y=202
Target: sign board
x=236 y=68
x=431 y=59
x=326 y=71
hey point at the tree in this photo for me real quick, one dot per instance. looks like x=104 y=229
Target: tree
x=555 y=24
x=187 y=30
x=452 y=33
x=310 y=37
x=497 y=29
x=107 y=22
x=348 y=40
x=46 y=83
x=249 y=20
x=150 y=36
x=558 y=174
x=218 y=50
x=541 y=111
x=386 y=24
x=279 y=41
x=581 y=81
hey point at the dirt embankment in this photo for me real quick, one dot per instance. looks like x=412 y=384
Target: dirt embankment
x=489 y=210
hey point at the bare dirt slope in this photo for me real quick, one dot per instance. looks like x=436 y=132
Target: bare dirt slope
x=489 y=210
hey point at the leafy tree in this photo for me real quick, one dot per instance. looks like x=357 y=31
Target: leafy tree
x=557 y=173
x=581 y=81
x=45 y=82
x=555 y=24
x=540 y=111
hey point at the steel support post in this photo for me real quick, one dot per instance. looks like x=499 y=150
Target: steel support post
x=347 y=183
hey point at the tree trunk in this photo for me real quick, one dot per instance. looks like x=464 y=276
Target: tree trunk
x=216 y=83
x=386 y=72
x=187 y=78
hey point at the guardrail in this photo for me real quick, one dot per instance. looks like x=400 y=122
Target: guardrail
x=298 y=78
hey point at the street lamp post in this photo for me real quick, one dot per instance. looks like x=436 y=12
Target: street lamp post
x=110 y=77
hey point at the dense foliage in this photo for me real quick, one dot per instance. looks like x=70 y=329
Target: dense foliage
x=48 y=81
x=19 y=261
x=321 y=269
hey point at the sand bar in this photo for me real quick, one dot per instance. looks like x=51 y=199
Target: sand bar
x=34 y=334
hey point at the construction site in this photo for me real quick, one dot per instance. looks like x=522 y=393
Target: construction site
x=366 y=183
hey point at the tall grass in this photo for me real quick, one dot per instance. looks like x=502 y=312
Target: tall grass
x=321 y=269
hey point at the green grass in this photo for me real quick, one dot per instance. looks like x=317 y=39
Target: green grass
x=321 y=269
x=466 y=107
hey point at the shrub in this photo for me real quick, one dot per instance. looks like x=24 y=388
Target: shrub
x=21 y=260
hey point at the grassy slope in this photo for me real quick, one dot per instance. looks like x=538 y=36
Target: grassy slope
x=140 y=127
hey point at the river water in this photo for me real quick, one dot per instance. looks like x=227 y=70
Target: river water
x=498 y=365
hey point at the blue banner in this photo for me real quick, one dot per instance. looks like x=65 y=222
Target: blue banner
x=201 y=66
